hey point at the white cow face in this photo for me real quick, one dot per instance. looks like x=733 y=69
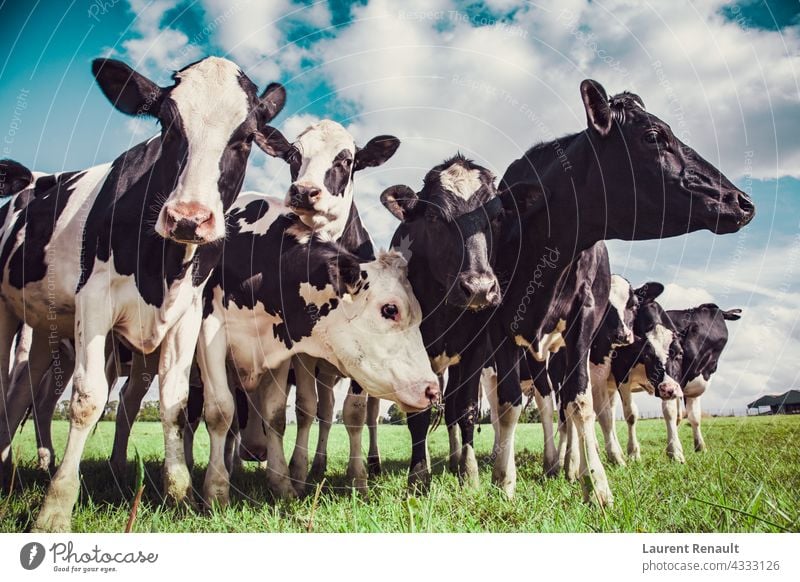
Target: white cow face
x=322 y=161
x=375 y=337
x=622 y=311
x=209 y=119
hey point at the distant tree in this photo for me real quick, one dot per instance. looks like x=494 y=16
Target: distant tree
x=62 y=411
x=110 y=410
x=149 y=412
x=530 y=414
x=395 y=415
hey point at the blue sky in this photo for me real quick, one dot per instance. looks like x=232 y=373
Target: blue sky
x=486 y=78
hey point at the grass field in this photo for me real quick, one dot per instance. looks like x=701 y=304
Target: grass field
x=747 y=481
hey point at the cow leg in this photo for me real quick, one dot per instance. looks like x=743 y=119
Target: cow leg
x=467 y=398
x=354 y=416
x=273 y=388
x=8 y=329
x=694 y=412
x=218 y=406
x=305 y=409
x=631 y=413
x=28 y=382
x=509 y=399
x=419 y=473
x=451 y=417
x=604 y=400
x=174 y=368
x=572 y=456
x=579 y=411
x=374 y=454
x=53 y=385
x=489 y=385
x=194 y=413
x=325 y=402
x=543 y=395
x=89 y=395
x=671 y=410
x=143 y=369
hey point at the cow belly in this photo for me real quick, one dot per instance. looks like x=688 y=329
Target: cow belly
x=696 y=387
x=599 y=373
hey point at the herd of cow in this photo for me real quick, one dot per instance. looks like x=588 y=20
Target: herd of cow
x=156 y=265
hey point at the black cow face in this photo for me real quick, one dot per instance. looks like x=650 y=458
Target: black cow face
x=655 y=185
x=209 y=118
x=452 y=225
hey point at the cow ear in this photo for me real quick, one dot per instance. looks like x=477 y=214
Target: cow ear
x=127 y=90
x=732 y=314
x=274 y=143
x=598 y=111
x=649 y=291
x=272 y=101
x=377 y=151
x=14 y=177
x=344 y=272
x=399 y=200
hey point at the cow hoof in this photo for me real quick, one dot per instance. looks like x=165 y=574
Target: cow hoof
x=217 y=495
x=178 y=485
x=506 y=482
x=454 y=463
x=317 y=472
x=52 y=521
x=551 y=468
x=419 y=478
x=676 y=456
x=357 y=476
x=298 y=474
x=598 y=492
x=46 y=461
x=374 y=466
x=468 y=470
x=700 y=448
x=635 y=455
x=616 y=459
x=571 y=472
x=282 y=489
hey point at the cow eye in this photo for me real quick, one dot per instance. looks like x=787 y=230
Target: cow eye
x=346 y=163
x=390 y=311
x=652 y=137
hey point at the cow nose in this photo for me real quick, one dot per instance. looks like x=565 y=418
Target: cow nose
x=480 y=290
x=188 y=222
x=303 y=197
x=432 y=392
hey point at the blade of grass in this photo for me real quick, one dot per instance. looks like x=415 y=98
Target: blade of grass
x=139 y=491
x=733 y=509
x=310 y=525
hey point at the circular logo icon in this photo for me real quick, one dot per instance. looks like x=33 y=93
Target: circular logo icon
x=31 y=555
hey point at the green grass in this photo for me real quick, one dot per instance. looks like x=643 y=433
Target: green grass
x=747 y=481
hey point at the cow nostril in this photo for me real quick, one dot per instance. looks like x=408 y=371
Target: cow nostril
x=432 y=392
x=745 y=203
x=313 y=194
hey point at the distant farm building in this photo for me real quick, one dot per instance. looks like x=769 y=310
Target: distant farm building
x=786 y=403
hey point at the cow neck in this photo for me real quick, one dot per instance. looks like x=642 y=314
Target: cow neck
x=355 y=237
x=542 y=244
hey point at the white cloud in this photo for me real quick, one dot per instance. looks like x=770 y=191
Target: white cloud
x=679 y=297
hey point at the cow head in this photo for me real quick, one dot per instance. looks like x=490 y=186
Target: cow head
x=14 y=177
x=452 y=225
x=622 y=306
x=209 y=118
x=322 y=161
x=654 y=185
x=657 y=345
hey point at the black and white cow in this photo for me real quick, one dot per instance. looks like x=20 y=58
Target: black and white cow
x=282 y=290
x=448 y=231
x=627 y=177
x=323 y=161
x=675 y=359
x=127 y=247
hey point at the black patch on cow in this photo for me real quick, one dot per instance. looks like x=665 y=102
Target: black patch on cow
x=41 y=207
x=337 y=177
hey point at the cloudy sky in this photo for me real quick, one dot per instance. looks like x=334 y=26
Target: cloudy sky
x=488 y=79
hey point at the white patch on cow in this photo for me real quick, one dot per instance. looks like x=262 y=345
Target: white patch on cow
x=696 y=387
x=550 y=342
x=618 y=298
x=461 y=181
x=316 y=297
x=212 y=104
x=660 y=338
x=441 y=362
x=276 y=209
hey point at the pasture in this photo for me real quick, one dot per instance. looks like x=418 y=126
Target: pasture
x=747 y=481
